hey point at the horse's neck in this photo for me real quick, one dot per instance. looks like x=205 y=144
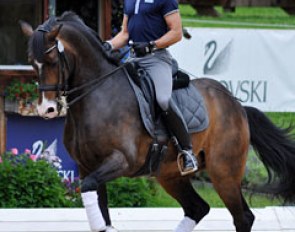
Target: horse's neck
x=87 y=60
x=90 y=70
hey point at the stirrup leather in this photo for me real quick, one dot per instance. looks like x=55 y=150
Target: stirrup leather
x=180 y=163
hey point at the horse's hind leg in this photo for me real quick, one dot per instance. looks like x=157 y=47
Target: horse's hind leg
x=103 y=203
x=248 y=214
x=230 y=192
x=195 y=208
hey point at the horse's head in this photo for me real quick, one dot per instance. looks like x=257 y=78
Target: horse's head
x=64 y=51
x=46 y=54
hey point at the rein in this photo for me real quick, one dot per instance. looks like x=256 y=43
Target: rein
x=92 y=84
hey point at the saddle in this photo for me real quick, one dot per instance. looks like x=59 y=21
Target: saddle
x=186 y=96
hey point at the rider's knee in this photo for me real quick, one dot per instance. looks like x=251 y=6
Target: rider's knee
x=163 y=102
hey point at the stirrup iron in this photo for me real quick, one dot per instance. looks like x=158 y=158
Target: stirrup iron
x=180 y=163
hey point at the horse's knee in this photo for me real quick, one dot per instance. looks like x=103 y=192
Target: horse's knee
x=89 y=184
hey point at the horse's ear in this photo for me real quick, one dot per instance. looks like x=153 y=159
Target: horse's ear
x=54 y=32
x=26 y=28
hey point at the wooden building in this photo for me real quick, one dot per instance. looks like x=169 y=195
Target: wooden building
x=13 y=44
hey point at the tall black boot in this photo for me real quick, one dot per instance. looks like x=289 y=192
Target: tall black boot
x=177 y=126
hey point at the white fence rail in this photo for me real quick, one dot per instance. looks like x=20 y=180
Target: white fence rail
x=271 y=219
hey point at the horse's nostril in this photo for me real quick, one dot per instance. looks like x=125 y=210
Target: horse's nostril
x=50 y=110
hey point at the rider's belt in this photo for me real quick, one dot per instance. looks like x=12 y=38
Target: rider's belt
x=139 y=55
x=141 y=49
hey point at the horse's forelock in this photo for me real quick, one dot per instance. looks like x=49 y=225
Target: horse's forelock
x=37 y=46
x=37 y=43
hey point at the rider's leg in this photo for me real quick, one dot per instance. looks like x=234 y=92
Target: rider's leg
x=159 y=67
x=178 y=128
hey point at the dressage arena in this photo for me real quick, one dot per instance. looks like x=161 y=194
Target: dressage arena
x=271 y=219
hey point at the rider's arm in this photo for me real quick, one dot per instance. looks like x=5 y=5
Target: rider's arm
x=121 y=39
x=174 y=33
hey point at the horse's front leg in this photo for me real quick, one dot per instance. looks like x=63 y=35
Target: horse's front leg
x=114 y=166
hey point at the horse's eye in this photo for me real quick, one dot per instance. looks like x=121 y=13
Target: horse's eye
x=53 y=64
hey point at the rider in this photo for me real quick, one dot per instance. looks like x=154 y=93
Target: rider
x=152 y=26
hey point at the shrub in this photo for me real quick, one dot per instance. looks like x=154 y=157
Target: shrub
x=127 y=192
x=30 y=184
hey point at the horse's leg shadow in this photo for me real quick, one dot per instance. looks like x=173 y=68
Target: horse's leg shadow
x=195 y=208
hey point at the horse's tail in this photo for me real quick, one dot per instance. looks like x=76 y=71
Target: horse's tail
x=276 y=149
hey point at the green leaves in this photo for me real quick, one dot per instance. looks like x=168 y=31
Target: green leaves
x=127 y=192
x=19 y=90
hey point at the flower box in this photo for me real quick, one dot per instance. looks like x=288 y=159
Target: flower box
x=21 y=107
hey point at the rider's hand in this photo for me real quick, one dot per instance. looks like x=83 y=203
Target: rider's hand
x=113 y=55
x=108 y=47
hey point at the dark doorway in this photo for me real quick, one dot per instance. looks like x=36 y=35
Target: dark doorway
x=13 y=44
x=86 y=9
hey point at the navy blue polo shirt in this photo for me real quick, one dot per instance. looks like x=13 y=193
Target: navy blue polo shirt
x=146 y=18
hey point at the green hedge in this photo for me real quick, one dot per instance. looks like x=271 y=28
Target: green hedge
x=127 y=192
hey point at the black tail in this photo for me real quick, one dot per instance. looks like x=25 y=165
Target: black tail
x=276 y=149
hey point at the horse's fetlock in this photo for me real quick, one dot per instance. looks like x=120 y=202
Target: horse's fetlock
x=202 y=212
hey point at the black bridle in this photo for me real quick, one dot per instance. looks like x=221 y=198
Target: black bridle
x=62 y=87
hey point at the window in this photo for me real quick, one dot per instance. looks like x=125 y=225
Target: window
x=87 y=10
x=13 y=44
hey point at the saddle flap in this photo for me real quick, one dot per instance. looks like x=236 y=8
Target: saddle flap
x=189 y=101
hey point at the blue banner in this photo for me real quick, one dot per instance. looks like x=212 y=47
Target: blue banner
x=40 y=136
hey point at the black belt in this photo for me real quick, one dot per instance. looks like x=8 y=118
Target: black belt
x=140 y=49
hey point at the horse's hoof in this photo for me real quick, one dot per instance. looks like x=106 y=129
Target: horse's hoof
x=111 y=229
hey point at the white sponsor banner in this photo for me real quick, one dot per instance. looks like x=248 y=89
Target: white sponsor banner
x=257 y=66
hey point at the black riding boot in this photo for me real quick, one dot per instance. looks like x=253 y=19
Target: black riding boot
x=178 y=128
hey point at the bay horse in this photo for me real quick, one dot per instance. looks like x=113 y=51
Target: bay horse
x=104 y=133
